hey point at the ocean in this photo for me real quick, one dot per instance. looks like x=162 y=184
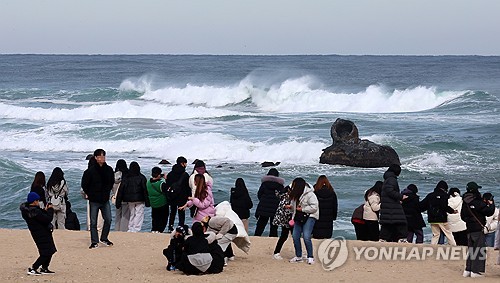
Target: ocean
x=440 y=114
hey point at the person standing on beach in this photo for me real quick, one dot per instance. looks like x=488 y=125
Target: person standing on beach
x=122 y=214
x=474 y=212
x=38 y=186
x=303 y=202
x=392 y=215
x=40 y=225
x=371 y=209
x=456 y=224
x=199 y=168
x=240 y=200
x=133 y=191
x=411 y=206
x=491 y=223
x=177 y=182
x=57 y=192
x=156 y=193
x=328 y=208
x=282 y=219
x=272 y=185
x=203 y=199
x=97 y=182
x=436 y=205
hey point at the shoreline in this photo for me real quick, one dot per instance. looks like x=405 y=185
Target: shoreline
x=138 y=256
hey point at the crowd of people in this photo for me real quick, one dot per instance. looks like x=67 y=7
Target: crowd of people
x=469 y=220
x=304 y=211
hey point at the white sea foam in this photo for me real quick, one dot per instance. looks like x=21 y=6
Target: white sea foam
x=115 y=110
x=208 y=146
x=302 y=94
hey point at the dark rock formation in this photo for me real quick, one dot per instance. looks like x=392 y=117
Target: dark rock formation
x=348 y=149
x=269 y=164
x=164 y=161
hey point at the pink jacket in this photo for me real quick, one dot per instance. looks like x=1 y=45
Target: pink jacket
x=205 y=207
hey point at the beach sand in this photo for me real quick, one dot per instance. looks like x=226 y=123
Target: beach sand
x=138 y=257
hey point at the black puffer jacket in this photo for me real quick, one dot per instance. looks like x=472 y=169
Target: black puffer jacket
x=184 y=191
x=97 y=182
x=132 y=189
x=268 y=195
x=391 y=210
x=411 y=207
x=241 y=203
x=436 y=204
x=328 y=208
x=39 y=224
x=474 y=211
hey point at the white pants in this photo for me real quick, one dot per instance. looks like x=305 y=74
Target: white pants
x=136 y=216
x=122 y=217
x=436 y=229
x=60 y=218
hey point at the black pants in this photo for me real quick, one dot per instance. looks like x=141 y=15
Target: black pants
x=173 y=212
x=282 y=239
x=159 y=218
x=461 y=238
x=372 y=230
x=261 y=225
x=476 y=252
x=393 y=232
x=42 y=260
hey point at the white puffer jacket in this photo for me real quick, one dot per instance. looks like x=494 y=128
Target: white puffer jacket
x=309 y=203
x=491 y=222
x=455 y=222
x=372 y=206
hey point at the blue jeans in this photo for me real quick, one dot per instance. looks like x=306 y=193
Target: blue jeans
x=105 y=209
x=305 y=230
x=490 y=239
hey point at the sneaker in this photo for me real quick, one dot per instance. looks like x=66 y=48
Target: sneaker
x=382 y=241
x=310 y=260
x=296 y=259
x=231 y=258
x=476 y=275
x=46 y=271
x=32 y=271
x=466 y=273
x=107 y=243
x=277 y=256
x=404 y=241
x=94 y=246
x=170 y=229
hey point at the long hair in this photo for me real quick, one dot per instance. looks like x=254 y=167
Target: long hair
x=201 y=187
x=39 y=180
x=377 y=187
x=298 y=186
x=322 y=182
x=240 y=185
x=121 y=165
x=55 y=178
x=135 y=169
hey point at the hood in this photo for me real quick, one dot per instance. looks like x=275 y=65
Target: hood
x=28 y=211
x=389 y=174
x=469 y=197
x=307 y=190
x=324 y=192
x=178 y=169
x=271 y=178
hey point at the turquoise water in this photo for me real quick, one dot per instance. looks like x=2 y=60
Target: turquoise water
x=439 y=113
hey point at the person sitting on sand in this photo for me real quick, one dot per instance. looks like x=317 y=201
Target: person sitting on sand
x=173 y=252
x=40 y=225
x=202 y=254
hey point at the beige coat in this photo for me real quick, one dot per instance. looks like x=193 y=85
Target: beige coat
x=372 y=205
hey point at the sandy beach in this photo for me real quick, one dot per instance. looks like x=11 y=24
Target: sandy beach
x=138 y=257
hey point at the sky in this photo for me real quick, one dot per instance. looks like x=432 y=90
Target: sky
x=252 y=27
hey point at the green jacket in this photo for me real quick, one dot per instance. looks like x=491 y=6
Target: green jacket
x=156 y=196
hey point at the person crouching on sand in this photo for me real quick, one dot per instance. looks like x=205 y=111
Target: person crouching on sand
x=40 y=225
x=225 y=232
